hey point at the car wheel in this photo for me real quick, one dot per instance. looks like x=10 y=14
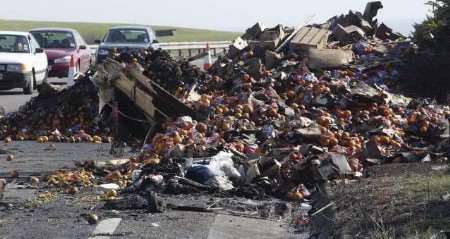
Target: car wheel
x=45 y=79
x=34 y=82
x=28 y=90
x=77 y=70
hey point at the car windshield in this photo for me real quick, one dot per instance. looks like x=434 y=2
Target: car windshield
x=54 y=39
x=127 y=36
x=14 y=43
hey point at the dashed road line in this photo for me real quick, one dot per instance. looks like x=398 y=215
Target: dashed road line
x=230 y=227
x=105 y=227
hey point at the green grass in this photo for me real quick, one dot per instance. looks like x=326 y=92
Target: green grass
x=94 y=31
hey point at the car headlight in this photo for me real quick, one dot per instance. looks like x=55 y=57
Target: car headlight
x=65 y=59
x=103 y=52
x=16 y=68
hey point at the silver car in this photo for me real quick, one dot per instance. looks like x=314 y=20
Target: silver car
x=126 y=38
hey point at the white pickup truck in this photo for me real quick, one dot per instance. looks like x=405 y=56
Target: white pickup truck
x=23 y=64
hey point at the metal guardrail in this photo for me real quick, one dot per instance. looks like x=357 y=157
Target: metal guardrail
x=187 y=49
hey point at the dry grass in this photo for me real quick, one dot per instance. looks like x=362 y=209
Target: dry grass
x=395 y=204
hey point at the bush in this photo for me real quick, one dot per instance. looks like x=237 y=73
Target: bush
x=427 y=71
x=434 y=33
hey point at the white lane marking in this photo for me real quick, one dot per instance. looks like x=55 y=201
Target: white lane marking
x=231 y=227
x=105 y=227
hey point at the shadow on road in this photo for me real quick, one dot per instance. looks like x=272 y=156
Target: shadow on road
x=11 y=93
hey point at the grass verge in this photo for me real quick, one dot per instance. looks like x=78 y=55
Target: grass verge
x=94 y=31
x=395 y=201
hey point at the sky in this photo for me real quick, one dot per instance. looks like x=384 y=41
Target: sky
x=231 y=15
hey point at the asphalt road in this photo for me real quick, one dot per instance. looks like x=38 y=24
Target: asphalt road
x=11 y=100
x=23 y=213
x=30 y=216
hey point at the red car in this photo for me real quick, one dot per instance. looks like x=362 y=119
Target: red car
x=60 y=45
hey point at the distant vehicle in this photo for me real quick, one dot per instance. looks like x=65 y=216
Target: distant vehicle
x=60 y=45
x=126 y=38
x=23 y=64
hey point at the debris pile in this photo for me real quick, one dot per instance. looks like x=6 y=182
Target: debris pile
x=159 y=66
x=58 y=115
x=284 y=109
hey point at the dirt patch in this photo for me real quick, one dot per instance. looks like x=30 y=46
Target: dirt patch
x=393 y=201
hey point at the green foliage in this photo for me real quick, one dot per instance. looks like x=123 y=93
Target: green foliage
x=434 y=33
x=426 y=73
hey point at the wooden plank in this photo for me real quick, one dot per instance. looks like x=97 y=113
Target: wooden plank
x=298 y=38
x=289 y=38
x=143 y=80
x=163 y=100
x=151 y=98
x=321 y=37
x=142 y=100
x=309 y=37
